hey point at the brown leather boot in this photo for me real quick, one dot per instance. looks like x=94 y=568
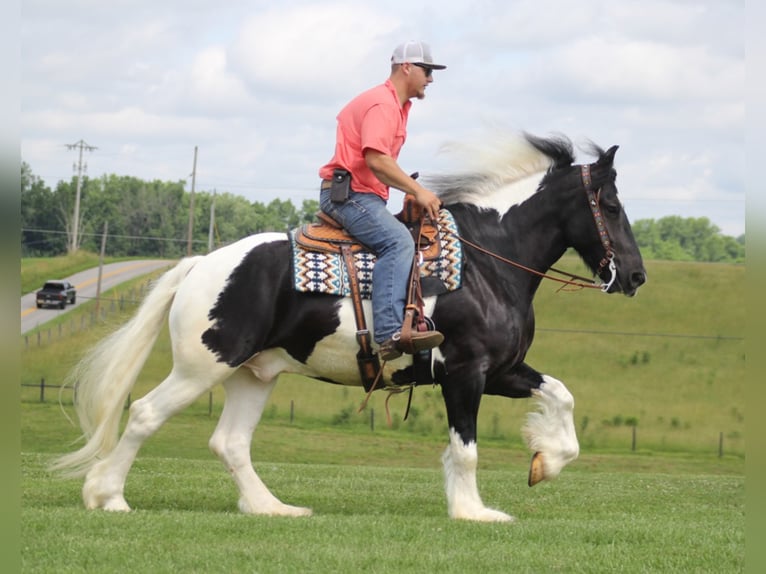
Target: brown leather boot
x=391 y=349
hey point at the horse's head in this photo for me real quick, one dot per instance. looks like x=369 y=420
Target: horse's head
x=580 y=202
x=598 y=227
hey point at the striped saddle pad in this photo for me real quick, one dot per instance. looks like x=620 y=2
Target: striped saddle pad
x=320 y=270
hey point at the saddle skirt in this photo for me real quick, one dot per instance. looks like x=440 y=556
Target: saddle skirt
x=318 y=265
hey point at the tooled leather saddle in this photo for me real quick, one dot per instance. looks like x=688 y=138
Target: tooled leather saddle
x=326 y=234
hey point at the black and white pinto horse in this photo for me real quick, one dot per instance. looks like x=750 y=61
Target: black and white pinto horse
x=235 y=320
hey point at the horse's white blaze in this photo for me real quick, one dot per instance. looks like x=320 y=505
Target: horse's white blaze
x=551 y=430
x=463 y=500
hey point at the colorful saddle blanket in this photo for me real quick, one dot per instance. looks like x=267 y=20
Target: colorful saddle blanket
x=323 y=271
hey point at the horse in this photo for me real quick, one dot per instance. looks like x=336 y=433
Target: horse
x=235 y=319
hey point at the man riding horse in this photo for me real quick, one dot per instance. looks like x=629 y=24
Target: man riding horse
x=355 y=189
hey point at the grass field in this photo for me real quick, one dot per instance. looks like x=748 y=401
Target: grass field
x=379 y=507
x=669 y=364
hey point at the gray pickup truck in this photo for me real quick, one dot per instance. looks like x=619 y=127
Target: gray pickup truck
x=56 y=293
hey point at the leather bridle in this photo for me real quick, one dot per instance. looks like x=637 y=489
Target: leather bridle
x=603 y=233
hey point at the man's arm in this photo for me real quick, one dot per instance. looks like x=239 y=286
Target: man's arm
x=385 y=168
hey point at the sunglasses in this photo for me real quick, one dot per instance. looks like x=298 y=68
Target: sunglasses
x=428 y=71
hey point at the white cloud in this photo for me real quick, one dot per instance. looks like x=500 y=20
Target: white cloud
x=312 y=49
x=647 y=71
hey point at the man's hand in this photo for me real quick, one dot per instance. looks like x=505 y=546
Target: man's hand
x=429 y=201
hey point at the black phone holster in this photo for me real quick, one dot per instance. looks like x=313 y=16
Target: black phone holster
x=341 y=184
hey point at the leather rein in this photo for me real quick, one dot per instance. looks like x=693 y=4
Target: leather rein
x=574 y=280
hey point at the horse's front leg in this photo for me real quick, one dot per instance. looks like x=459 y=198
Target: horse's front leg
x=550 y=431
x=460 y=459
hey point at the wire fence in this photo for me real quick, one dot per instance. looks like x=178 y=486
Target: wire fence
x=66 y=395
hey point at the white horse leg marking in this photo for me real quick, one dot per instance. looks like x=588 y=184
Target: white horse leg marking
x=105 y=482
x=463 y=500
x=246 y=397
x=551 y=430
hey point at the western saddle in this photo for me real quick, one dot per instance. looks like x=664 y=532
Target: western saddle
x=328 y=235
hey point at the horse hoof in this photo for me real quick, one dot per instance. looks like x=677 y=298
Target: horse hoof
x=536 y=471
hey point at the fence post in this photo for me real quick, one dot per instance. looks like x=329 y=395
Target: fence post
x=633 y=443
x=42 y=389
x=292 y=411
x=38 y=337
x=372 y=420
x=210 y=404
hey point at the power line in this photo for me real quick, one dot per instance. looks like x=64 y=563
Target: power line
x=628 y=334
x=55 y=232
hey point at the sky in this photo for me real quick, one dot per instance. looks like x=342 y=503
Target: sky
x=255 y=86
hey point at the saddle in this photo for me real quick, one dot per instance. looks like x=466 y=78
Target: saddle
x=327 y=235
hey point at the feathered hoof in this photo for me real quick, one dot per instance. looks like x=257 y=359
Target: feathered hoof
x=536 y=469
x=486 y=515
x=95 y=497
x=275 y=510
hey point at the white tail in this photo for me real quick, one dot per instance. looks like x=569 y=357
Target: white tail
x=105 y=376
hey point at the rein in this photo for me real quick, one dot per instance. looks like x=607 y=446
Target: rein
x=580 y=282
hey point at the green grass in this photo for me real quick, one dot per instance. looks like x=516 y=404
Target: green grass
x=383 y=511
x=673 y=505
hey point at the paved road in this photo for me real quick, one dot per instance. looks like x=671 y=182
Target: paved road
x=86 y=283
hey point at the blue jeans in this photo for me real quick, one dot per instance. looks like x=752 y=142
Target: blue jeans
x=364 y=215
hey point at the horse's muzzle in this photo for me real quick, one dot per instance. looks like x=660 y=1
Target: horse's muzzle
x=634 y=281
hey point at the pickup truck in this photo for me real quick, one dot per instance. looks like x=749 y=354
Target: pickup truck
x=56 y=293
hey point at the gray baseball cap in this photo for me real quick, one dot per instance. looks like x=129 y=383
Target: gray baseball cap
x=415 y=53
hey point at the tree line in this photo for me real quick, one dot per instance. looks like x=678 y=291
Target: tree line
x=145 y=218
x=151 y=219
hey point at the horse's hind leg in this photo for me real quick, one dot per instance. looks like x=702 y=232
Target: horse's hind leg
x=105 y=482
x=246 y=397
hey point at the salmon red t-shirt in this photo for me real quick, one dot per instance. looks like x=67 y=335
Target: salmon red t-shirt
x=372 y=120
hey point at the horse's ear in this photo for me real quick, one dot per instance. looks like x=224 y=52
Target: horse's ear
x=609 y=155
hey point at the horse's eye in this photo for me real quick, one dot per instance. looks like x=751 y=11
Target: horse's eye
x=612 y=208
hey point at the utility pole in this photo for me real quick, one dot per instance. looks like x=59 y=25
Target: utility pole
x=75 y=240
x=191 y=205
x=101 y=267
x=212 y=224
